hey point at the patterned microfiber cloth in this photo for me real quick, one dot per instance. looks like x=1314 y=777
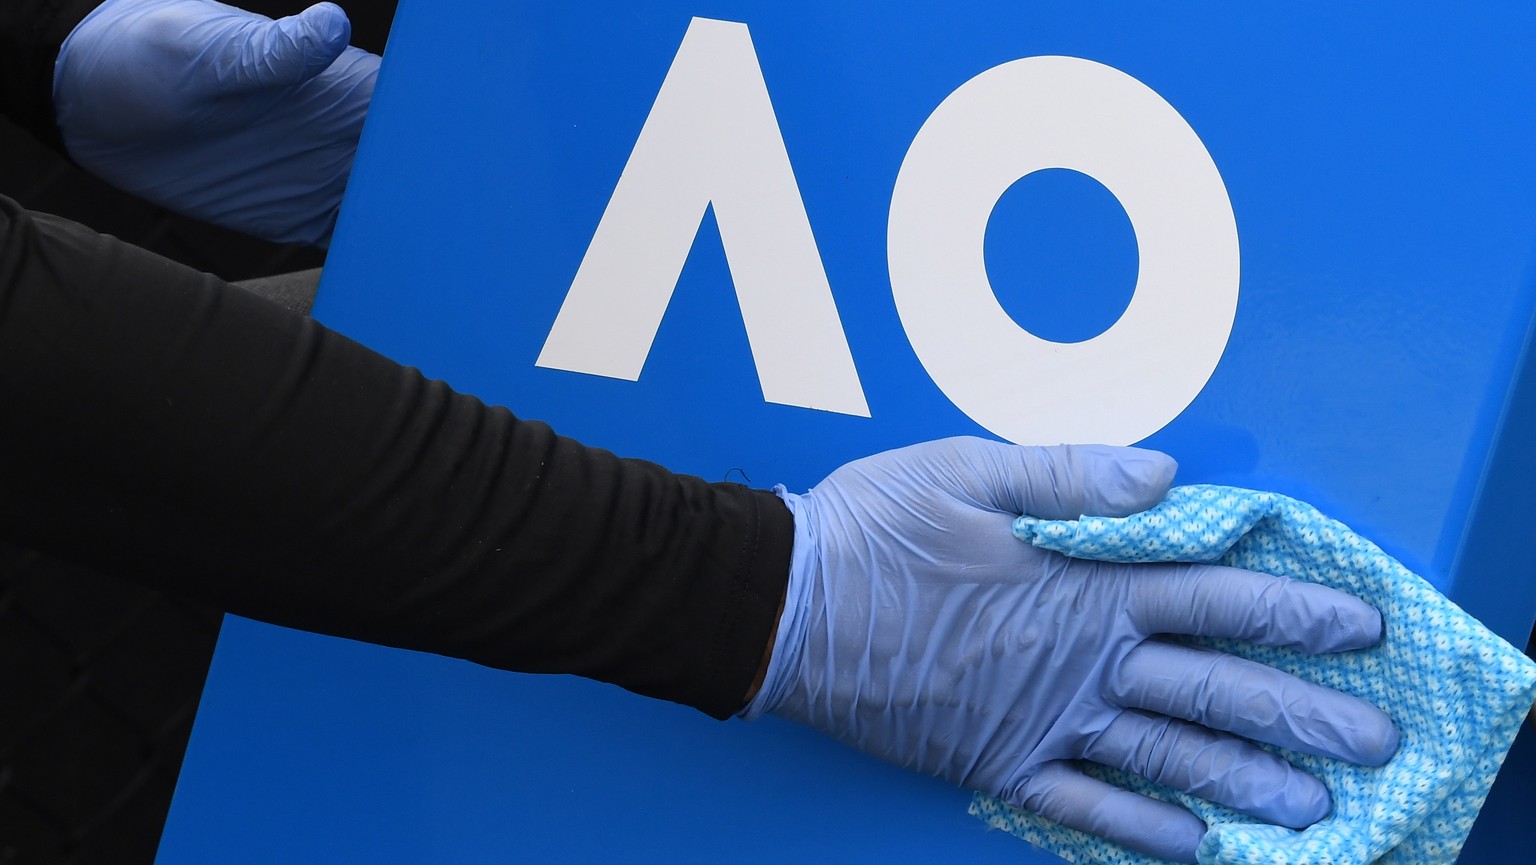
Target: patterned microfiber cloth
x=1456 y=691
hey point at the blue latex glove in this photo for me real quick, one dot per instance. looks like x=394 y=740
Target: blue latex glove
x=916 y=628
x=218 y=113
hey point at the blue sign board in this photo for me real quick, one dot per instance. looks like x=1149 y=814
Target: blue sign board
x=1290 y=246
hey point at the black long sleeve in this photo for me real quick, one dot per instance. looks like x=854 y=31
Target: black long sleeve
x=31 y=32
x=158 y=424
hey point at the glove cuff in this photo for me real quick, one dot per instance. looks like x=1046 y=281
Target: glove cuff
x=789 y=643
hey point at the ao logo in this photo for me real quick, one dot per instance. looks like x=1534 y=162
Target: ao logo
x=712 y=139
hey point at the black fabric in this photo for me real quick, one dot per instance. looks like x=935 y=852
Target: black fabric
x=31 y=32
x=295 y=291
x=161 y=425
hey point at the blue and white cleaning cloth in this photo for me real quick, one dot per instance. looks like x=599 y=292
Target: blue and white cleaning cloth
x=1456 y=691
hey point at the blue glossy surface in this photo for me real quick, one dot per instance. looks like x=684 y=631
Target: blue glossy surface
x=1379 y=169
x=1061 y=255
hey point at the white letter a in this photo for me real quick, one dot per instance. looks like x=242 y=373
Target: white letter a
x=711 y=138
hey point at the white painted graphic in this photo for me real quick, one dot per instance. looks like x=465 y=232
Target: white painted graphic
x=1063 y=112
x=711 y=139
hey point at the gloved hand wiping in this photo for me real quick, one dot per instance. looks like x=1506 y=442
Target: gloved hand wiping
x=216 y=112
x=917 y=629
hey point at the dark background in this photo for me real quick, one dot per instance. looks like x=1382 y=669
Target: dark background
x=101 y=678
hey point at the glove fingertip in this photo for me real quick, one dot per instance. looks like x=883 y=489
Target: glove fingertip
x=1299 y=801
x=1065 y=482
x=1126 y=480
x=1377 y=740
x=1066 y=796
x=322 y=32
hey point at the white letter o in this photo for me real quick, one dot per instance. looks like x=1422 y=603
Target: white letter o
x=1063 y=112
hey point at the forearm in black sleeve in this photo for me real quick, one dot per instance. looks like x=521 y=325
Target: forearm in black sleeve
x=31 y=32
x=164 y=426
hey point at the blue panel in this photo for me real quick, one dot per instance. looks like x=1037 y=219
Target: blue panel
x=1379 y=171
